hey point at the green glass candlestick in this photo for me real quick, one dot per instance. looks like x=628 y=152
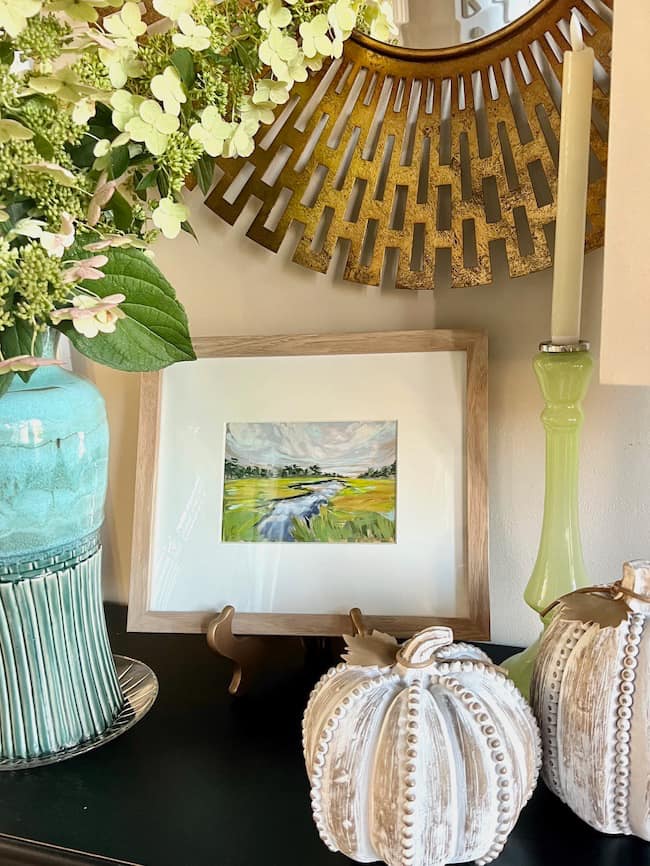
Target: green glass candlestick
x=563 y=373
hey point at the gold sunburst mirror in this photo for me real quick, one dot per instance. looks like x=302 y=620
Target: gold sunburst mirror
x=417 y=163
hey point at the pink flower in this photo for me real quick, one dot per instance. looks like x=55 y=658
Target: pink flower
x=99 y=38
x=56 y=243
x=86 y=269
x=25 y=363
x=115 y=241
x=102 y=195
x=53 y=170
x=90 y=315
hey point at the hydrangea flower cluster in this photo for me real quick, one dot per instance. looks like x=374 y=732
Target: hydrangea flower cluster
x=102 y=118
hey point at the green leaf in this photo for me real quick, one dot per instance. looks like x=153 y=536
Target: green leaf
x=218 y=59
x=142 y=195
x=6 y=52
x=43 y=146
x=19 y=209
x=99 y=127
x=163 y=184
x=148 y=180
x=186 y=227
x=204 y=171
x=182 y=60
x=154 y=333
x=5 y=382
x=139 y=158
x=103 y=119
x=17 y=340
x=83 y=154
x=122 y=211
x=246 y=55
x=119 y=161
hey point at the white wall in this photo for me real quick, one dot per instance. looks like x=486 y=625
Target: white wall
x=232 y=286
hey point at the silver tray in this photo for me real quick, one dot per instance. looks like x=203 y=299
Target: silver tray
x=139 y=686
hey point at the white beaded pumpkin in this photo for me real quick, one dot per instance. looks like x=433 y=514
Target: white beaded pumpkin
x=423 y=762
x=591 y=694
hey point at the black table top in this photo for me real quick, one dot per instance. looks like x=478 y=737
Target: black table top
x=210 y=780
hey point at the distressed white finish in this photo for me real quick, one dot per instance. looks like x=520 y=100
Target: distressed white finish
x=591 y=695
x=422 y=763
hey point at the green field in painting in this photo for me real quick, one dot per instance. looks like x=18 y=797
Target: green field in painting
x=363 y=511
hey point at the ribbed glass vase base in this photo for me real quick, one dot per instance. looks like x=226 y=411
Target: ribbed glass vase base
x=58 y=684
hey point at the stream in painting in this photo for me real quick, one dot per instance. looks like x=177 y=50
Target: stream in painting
x=278 y=525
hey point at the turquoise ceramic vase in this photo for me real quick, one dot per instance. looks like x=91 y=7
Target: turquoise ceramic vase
x=58 y=684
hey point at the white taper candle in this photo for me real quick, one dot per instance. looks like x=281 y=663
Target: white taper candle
x=573 y=175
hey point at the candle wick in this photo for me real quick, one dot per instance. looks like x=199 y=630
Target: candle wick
x=575 y=28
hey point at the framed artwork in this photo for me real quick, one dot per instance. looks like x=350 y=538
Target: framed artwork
x=297 y=477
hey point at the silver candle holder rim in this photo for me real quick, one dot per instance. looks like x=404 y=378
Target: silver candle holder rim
x=557 y=348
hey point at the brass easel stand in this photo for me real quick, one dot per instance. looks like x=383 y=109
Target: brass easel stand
x=253 y=654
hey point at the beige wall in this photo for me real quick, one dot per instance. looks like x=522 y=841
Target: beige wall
x=231 y=286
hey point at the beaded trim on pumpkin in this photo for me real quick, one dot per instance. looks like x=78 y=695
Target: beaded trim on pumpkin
x=409 y=794
x=624 y=702
x=549 y=718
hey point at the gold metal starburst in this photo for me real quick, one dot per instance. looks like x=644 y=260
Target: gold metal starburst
x=419 y=167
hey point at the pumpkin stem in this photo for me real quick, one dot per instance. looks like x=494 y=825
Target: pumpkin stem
x=420 y=650
x=636 y=577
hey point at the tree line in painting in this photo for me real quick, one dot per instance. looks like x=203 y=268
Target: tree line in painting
x=384 y=472
x=234 y=470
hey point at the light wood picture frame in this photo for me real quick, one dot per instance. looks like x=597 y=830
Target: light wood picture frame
x=381 y=347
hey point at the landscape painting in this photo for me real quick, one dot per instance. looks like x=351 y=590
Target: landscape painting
x=331 y=481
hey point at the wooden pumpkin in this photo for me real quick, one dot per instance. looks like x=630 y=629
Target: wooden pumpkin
x=421 y=761
x=591 y=694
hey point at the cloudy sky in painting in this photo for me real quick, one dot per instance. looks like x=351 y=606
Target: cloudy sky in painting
x=347 y=447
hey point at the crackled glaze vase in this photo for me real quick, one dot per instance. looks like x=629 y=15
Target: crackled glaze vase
x=58 y=684
x=421 y=763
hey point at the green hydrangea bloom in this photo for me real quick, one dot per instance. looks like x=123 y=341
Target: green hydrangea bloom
x=8 y=88
x=154 y=55
x=44 y=37
x=45 y=117
x=38 y=284
x=90 y=70
x=179 y=159
x=210 y=87
x=50 y=198
x=8 y=258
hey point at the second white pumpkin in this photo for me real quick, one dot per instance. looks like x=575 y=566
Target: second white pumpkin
x=591 y=693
